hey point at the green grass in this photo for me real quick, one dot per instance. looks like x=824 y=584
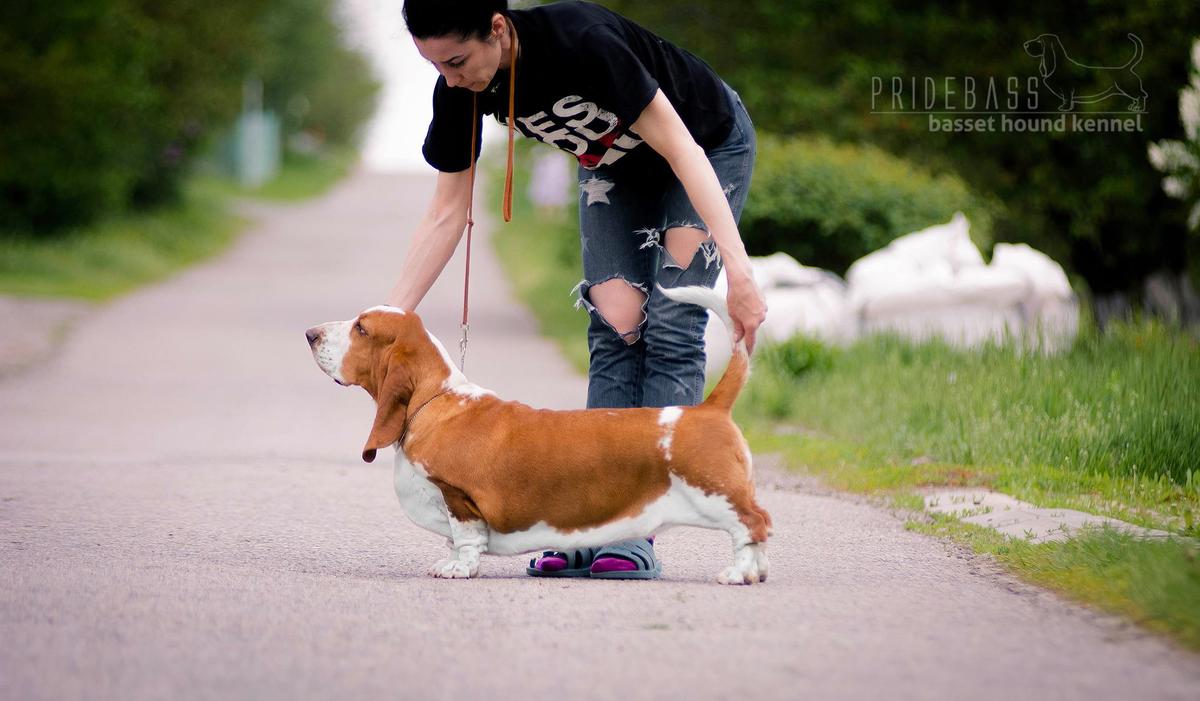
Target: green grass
x=121 y=254
x=1153 y=583
x=1111 y=426
x=132 y=250
x=301 y=177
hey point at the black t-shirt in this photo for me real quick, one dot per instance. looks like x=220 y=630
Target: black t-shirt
x=584 y=75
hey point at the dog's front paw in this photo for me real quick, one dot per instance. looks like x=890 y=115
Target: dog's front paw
x=452 y=569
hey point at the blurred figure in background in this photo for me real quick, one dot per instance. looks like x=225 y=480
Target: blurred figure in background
x=548 y=184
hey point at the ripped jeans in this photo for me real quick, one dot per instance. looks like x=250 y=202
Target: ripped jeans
x=623 y=217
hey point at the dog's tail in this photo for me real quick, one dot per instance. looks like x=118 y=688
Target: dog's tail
x=726 y=392
x=1138 y=50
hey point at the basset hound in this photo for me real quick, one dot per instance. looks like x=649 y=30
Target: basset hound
x=496 y=476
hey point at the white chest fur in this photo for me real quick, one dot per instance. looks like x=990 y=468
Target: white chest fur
x=421 y=500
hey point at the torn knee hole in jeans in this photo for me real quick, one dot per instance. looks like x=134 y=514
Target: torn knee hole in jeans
x=653 y=238
x=707 y=247
x=631 y=336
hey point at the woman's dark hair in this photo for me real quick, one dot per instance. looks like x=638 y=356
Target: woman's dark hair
x=469 y=19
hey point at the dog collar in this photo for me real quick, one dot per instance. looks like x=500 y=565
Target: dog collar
x=413 y=417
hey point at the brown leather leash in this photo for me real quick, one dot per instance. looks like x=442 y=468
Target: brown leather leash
x=506 y=207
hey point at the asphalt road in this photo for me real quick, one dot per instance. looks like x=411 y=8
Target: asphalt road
x=184 y=515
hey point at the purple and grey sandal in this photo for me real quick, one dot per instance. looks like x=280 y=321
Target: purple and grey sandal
x=628 y=559
x=553 y=563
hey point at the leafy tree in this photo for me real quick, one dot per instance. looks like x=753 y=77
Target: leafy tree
x=105 y=103
x=309 y=76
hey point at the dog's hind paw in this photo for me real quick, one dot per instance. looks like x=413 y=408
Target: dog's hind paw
x=736 y=575
x=452 y=569
x=760 y=561
x=749 y=567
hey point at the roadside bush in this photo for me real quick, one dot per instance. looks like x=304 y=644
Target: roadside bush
x=827 y=204
x=797 y=356
x=785 y=363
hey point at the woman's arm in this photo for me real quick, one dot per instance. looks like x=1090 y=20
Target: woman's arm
x=434 y=240
x=661 y=127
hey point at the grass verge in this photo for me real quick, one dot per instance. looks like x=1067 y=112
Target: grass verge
x=1110 y=427
x=1153 y=583
x=132 y=250
x=301 y=177
x=116 y=256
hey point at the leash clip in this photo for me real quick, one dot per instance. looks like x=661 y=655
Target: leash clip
x=462 y=348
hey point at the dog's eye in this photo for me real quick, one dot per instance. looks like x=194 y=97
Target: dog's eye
x=359 y=328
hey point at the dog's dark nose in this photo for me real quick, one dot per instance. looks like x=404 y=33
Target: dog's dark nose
x=312 y=335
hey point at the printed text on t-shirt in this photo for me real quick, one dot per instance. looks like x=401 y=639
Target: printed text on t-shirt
x=593 y=134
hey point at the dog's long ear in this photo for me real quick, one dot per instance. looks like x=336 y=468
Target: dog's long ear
x=1049 y=54
x=391 y=400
